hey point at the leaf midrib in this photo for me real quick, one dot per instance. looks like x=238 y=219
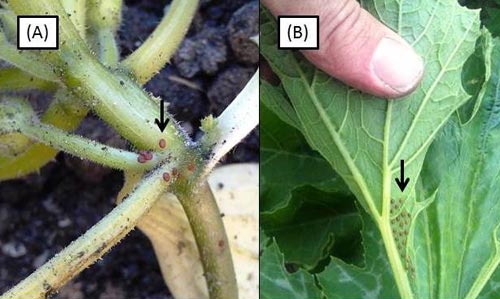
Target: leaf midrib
x=338 y=141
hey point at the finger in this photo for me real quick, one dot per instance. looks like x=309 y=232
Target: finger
x=356 y=48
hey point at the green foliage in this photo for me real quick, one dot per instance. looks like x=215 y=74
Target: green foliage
x=365 y=137
x=372 y=280
x=291 y=164
x=490 y=13
x=458 y=232
x=320 y=221
x=437 y=239
x=305 y=229
x=276 y=282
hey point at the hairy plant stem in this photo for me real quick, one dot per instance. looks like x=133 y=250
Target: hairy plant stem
x=94 y=243
x=104 y=13
x=211 y=239
x=236 y=121
x=104 y=18
x=76 y=12
x=88 y=149
x=8 y=22
x=63 y=113
x=106 y=47
x=28 y=62
x=120 y=101
x=113 y=95
x=156 y=51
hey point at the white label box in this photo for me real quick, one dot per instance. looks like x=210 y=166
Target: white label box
x=298 y=32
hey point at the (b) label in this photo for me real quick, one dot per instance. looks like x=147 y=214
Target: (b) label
x=298 y=32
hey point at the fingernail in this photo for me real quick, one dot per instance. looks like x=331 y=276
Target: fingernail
x=397 y=65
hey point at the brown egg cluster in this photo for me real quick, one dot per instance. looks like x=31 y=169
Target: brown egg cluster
x=400 y=224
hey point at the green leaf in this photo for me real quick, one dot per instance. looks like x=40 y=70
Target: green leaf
x=456 y=241
x=475 y=75
x=490 y=13
x=321 y=221
x=365 y=137
x=373 y=281
x=276 y=282
x=288 y=163
x=492 y=19
x=304 y=220
x=275 y=100
x=263 y=240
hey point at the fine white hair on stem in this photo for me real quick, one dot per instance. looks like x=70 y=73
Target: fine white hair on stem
x=237 y=121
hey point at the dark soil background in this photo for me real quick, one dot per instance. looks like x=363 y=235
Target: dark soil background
x=42 y=213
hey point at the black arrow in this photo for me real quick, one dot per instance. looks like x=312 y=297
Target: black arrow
x=162 y=123
x=402 y=182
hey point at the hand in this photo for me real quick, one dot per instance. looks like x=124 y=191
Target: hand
x=356 y=48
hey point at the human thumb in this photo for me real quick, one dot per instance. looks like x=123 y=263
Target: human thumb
x=356 y=48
